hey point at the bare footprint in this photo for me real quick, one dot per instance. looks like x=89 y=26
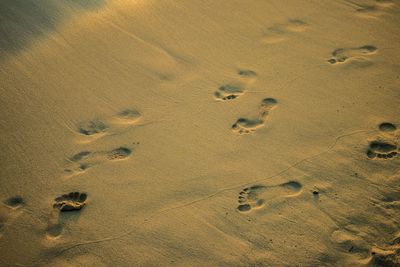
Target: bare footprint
x=97 y=128
x=246 y=126
x=14 y=202
x=373 y=9
x=91 y=128
x=128 y=116
x=281 y=31
x=387 y=127
x=229 y=92
x=342 y=55
x=7 y=208
x=256 y=196
x=246 y=73
x=70 y=202
x=235 y=89
x=386 y=145
x=73 y=201
x=382 y=150
x=82 y=161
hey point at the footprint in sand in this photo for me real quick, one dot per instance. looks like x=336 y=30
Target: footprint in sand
x=233 y=90
x=385 y=145
x=92 y=128
x=255 y=197
x=70 y=202
x=7 y=207
x=246 y=126
x=281 y=31
x=373 y=9
x=229 y=92
x=73 y=201
x=343 y=55
x=359 y=244
x=96 y=128
x=84 y=160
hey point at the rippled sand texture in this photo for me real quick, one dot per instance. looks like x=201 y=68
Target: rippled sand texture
x=200 y=133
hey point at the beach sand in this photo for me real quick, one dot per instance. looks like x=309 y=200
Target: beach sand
x=200 y=133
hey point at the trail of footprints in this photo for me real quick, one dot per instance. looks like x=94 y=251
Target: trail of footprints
x=250 y=198
x=384 y=147
x=231 y=91
x=95 y=129
x=84 y=160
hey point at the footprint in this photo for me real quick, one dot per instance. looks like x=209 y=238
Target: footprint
x=14 y=202
x=118 y=153
x=246 y=73
x=384 y=147
x=229 y=92
x=254 y=197
x=7 y=208
x=246 y=126
x=128 y=116
x=234 y=89
x=342 y=55
x=73 y=201
x=373 y=10
x=70 y=202
x=82 y=161
x=94 y=129
x=91 y=128
x=281 y=31
x=387 y=127
x=382 y=150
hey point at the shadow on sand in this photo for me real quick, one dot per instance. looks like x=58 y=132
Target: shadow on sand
x=23 y=21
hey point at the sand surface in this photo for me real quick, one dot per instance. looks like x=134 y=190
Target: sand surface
x=200 y=133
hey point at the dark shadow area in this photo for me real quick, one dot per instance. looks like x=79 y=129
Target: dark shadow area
x=23 y=21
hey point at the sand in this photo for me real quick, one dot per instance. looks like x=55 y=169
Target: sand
x=200 y=133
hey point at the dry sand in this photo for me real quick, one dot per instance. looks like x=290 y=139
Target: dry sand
x=200 y=133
